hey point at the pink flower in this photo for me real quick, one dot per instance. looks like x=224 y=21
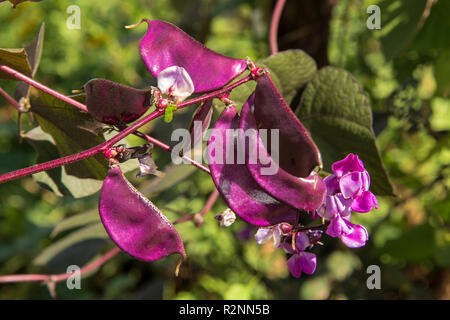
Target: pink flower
x=300 y=261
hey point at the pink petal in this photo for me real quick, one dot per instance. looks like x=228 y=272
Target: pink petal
x=350 y=184
x=357 y=238
x=365 y=202
x=350 y=163
x=294 y=265
x=308 y=262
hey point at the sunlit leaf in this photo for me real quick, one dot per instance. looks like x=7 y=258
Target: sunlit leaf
x=337 y=113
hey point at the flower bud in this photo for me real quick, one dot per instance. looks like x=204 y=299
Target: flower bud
x=226 y=218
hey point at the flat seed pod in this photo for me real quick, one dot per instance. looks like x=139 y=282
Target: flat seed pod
x=296 y=185
x=164 y=45
x=113 y=103
x=233 y=180
x=134 y=223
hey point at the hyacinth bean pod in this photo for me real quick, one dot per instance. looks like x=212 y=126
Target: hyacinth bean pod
x=113 y=103
x=233 y=180
x=134 y=223
x=294 y=181
x=165 y=45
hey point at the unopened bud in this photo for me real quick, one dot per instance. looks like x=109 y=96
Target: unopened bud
x=286 y=228
x=225 y=218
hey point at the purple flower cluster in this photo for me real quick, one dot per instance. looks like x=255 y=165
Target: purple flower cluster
x=347 y=190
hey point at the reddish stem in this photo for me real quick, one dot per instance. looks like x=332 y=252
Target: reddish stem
x=82 y=155
x=40 y=86
x=169 y=149
x=59 y=277
x=210 y=202
x=108 y=144
x=12 y=101
x=274 y=23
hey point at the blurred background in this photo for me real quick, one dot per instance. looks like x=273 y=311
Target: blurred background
x=404 y=67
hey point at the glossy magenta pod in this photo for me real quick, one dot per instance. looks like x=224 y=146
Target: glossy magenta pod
x=164 y=45
x=113 y=103
x=134 y=223
x=233 y=180
x=294 y=181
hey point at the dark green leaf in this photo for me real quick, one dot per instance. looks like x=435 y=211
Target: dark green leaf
x=337 y=113
x=93 y=231
x=16 y=59
x=34 y=53
x=400 y=21
x=73 y=131
x=414 y=245
x=76 y=221
x=290 y=70
x=57 y=179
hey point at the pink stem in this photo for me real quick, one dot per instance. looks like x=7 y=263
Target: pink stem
x=59 y=277
x=12 y=101
x=215 y=93
x=169 y=148
x=210 y=202
x=274 y=26
x=82 y=155
x=108 y=144
x=40 y=86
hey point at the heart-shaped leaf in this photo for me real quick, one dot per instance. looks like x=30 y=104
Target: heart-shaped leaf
x=164 y=45
x=233 y=180
x=336 y=111
x=114 y=103
x=134 y=223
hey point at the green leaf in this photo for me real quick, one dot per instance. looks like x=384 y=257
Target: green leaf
x=34 y=53
x=290 y=70
x=76 y=221
x=168 y=112
x=414 y=245
x=57 y=179
x=14 y=3
x=92 y=231
x=336 y=111
x=73 y=131
x=400 y=21
x=16 y=59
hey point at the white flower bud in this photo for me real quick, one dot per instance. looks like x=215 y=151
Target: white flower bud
x=175 y=82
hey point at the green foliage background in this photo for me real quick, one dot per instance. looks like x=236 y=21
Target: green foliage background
x=405 y=71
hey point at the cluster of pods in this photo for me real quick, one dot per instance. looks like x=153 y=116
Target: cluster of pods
x=274 y=202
